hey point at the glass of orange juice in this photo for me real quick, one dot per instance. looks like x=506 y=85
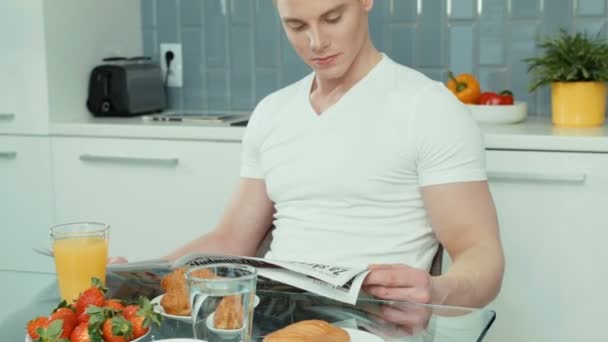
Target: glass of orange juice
x=81 y=253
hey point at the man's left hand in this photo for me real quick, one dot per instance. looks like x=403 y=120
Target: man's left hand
x=398 y=282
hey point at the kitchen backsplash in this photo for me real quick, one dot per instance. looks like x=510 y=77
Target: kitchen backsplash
x=235 y=52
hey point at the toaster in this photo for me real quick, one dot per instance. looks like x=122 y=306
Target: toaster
x=126 y=87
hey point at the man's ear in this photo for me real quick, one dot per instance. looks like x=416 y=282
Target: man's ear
x=367 y=5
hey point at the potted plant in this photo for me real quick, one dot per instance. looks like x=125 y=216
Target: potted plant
x=576 y=67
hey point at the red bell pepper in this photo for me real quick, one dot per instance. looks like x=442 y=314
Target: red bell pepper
x=505 y=97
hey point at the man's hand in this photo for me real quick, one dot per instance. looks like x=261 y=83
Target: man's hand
x=398 y=282
x=117 y=260
x=399 y=319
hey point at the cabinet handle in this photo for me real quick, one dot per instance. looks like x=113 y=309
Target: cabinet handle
x=129 y=160
x=7 y=116
x=8 y=155
x=544 y=177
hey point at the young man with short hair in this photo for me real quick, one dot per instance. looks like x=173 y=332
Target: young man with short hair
x=364 y=162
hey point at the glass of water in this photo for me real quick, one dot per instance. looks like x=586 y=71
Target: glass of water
x=222 y=301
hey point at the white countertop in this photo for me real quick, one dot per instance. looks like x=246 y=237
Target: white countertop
x=136 y=127
x=536 y=133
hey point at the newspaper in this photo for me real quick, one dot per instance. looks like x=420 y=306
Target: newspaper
x=336 y=282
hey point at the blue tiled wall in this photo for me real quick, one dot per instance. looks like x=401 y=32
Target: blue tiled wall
x=235 y=51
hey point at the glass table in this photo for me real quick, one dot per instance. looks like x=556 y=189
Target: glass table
x=27 y=295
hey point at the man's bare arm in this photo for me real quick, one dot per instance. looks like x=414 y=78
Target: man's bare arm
x=245 y=222
x=464 y=219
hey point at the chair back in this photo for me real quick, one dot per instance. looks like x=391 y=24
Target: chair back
x=437 y=263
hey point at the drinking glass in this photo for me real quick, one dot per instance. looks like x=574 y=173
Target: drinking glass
x=81 y=253
x=222 y=301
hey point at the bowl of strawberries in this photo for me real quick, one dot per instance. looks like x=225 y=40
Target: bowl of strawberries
x=93 y=317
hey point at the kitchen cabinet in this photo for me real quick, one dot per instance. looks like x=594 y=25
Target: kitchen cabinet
x=155 y=194
x=552 y=209
x=23 y=94
x=26 y=198
x=48 y=51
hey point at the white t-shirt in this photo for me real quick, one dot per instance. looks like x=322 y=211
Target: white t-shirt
x=346 y=183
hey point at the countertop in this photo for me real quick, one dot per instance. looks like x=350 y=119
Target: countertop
x=136 y=127
x=536 y=133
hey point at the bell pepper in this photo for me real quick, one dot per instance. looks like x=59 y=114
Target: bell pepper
x=465 y=87
x=505 y=97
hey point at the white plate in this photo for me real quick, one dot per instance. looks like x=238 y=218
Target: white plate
x=500 y=114
x=159 y=308
x=29 y=339
x=362 y=336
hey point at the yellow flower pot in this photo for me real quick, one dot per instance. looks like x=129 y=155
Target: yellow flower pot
x=578 y=104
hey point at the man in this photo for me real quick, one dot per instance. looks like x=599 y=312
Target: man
x=366 y=162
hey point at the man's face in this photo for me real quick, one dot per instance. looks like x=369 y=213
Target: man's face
x=326 y=34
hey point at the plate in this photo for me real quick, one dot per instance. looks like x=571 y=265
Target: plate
x=159 y=308
x=29 y=339
x=499 y=114
x=362 y=336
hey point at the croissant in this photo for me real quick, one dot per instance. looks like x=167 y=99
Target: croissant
x=176 y=300
x=229 y=313
x=174 y=280
x=309 y=331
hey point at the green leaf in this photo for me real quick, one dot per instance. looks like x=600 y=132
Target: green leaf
x=96 y=282
x=569 y=57
x=147 y=310
x=96 y=317
x=55 y=329
x=95 y=336
x=122 y=327
x=52 y=332
x=93 y=310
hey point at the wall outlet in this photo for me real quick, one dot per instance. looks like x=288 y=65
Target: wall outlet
x=175 y=77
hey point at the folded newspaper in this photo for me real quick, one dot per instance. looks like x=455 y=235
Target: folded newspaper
x=336 y=282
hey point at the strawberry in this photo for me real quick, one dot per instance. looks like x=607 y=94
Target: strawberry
x=81 y=334
x=140 y=328
x=130 y=310
x=68 y=316
x=114 y=304
x=143 y=318
x=94 y=295
x=83 y=317
x=117 y=329
x=34 y=324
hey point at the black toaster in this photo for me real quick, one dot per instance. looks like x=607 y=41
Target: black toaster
x=126 y=87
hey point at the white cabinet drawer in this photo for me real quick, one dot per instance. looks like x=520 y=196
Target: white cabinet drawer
x=553 y=216
x=156 y=195
x=25 y=202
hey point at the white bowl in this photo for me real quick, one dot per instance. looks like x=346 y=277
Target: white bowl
x=187 y=319
x=29 y=339
x=222 y=333
x=499 y=114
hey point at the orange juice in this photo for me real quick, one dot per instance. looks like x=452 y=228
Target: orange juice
x=77 y=260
